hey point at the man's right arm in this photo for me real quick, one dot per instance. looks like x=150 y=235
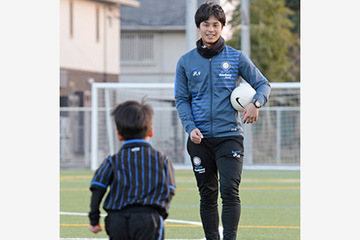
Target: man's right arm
x=183 y=98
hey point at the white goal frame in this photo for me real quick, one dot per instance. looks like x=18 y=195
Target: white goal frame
x=94 y=106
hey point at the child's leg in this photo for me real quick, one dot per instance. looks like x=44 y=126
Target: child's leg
x=135 y=223
x=146 y=226
x=116 y=226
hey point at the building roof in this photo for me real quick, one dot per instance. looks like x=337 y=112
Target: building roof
x=155 y=14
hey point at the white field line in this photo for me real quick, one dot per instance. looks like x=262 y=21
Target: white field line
x=167 y=220
x=79 y=214
x=84 y=239
x=104 y=215
x=108 y=239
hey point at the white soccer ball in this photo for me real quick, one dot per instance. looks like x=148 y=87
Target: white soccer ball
x=241 y=96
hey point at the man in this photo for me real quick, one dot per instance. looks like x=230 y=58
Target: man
x=205 y=78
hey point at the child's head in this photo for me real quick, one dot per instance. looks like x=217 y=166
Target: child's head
x=208 y=9
x=133 y=120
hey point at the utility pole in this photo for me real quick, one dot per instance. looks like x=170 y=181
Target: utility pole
x=191 y=33
x=245 y=27
x=246 y=48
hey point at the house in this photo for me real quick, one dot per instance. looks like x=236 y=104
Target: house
x=153 y=37
x=89 y=52
x=89 y=45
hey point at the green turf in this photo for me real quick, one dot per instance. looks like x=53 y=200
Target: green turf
x=270 y=206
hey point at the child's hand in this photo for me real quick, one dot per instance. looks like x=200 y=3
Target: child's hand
x=95 y=229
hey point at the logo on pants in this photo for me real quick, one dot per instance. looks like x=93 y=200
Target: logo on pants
x=197 y=161
x=197 y=165
x=236 y=154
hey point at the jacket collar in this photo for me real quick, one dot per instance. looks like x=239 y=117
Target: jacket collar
x=136 y=142
x=218 y=46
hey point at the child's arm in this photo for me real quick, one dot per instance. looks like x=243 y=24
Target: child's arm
x=98 y=187
x=172 y=183
x=96 y=197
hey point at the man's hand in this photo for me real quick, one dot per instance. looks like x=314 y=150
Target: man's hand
x=196 y=136
x=95 y=229
x=250 y=114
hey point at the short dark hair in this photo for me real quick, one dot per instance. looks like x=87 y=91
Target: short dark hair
x=133 y=119
x=208 y=9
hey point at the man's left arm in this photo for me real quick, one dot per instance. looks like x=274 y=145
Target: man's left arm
x=249 y=72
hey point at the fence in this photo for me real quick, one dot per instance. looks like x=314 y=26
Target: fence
x=88 y=135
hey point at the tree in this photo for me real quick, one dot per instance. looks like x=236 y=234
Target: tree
x=294 y=5
x=274 y=47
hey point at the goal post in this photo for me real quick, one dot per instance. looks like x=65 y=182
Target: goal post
x=276 y=133
x=108 y=107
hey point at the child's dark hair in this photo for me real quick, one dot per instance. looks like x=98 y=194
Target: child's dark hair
x=133 y=119
x=208 y=9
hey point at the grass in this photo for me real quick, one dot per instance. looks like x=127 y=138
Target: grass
x=270 y=206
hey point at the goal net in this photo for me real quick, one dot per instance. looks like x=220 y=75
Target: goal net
x=273 y=141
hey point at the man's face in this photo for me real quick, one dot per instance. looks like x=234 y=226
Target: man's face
x=210 y=31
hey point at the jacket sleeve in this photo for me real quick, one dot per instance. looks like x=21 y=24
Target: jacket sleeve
x=96 y=197
x=102 y=178
x=183 y=98
x=171 y=178
x=255 y=78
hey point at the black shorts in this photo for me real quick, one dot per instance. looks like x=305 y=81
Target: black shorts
x=135 y=223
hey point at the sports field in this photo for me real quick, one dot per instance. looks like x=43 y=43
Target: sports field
x=270 y=206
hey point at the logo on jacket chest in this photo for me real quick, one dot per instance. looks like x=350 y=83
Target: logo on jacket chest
x=225 y=66
x=196 y=73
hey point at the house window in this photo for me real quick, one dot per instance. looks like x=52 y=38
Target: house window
x=137 y=48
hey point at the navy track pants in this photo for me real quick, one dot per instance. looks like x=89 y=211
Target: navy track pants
x=211 y=158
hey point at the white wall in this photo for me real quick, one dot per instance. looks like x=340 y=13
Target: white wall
x=169 y=46
x=82 y=51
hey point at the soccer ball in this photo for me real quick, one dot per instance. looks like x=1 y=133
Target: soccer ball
x=241 y=96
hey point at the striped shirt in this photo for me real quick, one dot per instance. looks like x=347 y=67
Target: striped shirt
x=137 y=175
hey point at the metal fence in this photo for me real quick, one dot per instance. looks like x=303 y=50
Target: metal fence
x=272 y=142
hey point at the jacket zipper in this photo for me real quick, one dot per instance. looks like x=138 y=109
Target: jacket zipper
x=211 y=101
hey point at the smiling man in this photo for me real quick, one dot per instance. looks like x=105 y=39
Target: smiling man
x=210 y=31
x=205 y=78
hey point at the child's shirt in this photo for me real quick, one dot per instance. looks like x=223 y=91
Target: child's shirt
x=137 y=175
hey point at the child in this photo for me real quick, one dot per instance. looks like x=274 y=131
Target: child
x=141 y=180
